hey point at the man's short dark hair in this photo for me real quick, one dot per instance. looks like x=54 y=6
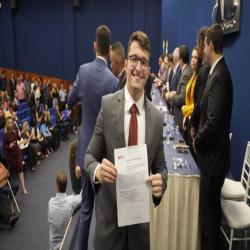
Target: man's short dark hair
x=162 y=57
x=142 y=39
x=61 y=181
x=118 y=49
x=4 y=71
x=215 y=35
x=34 y=88
x=201 y=35
x=184 y=54
x=170 y=57
x=102 y=39
x=37 y=99
x=10 y=106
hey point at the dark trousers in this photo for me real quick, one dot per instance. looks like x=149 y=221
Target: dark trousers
x=46 y=101
x=43 y=145
x=65 y=126
x=210 y=206
x=6 y=190
x=56 y=137
x=50 y=142
x=72 y=122
x=86 y=211
x=62 y=106
x=188 y=139
x=28 y=151
x=5 y=212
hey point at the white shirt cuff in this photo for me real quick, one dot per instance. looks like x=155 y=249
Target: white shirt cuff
x=96 y=182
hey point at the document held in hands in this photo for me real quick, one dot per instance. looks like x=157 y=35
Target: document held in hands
x=132 y=191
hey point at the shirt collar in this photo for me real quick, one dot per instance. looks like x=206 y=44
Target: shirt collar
x=61 y=195
x=184 y=67
x=120 y=75
x=215 y=63
x=129 y=101
x=102 y=59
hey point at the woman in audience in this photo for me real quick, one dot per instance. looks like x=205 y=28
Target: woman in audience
x=188 y=108
x=46 y=134
x=38 y=138
x=46 y=112
x=39 y=114
x=54 y=94
x=55 y=134
x=14 y=105
x=2 y=120
x=32 y=84
x=75 y=171
x=3 y=109
x=37 y=93
x=12 y=151
x=35 y=147
x=71 y=119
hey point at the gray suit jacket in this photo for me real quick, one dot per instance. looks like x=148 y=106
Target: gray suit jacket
x=178 y=100
x=109 y=135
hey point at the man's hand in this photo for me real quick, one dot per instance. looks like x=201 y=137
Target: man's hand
x=192 y=132
x=183 y=123
x=50 y=135
x=19 y=134
x=106 y=172
x=6 y=174
x=12 y=144
x=155 y=181
x=63 y=115
x=153 y=75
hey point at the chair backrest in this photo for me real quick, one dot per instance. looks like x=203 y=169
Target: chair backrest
x=29 y=119
x=42 y=106
x=51 y=112
x=19 y=116
x=38 y=126
x=30 y=128
x=25 y=113
x=65 y=115
x=245 y=175
x=53 y=121
x=19 y=108
x=18 y=101
x=1 y=134
x=54 y=110
x=24 y=105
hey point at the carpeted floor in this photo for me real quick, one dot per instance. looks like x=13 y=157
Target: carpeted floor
x=32 y=230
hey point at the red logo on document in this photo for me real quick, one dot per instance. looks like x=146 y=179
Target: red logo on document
x=120 y=157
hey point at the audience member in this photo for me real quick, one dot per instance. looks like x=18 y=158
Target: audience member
x=37 y=92
x=4 y=186
x=200 y=82
x=46 y=111
x=161 y=67
x=20 y=90
x=71 y=119
x=62 y=124
x=14 y=105
x=177 y=70
x=212 y=141
x=117 y=63
x=12 y=83
x=16 y=124
x=54 y=94
x=33 y=145
x=32 y=99
x=33 y=83
x=125 y=132
x=38 y=138
x=178 y=97
x=170 y=73
x=46 y=134
x=55 y=134
x=27 y=87
x=3 y=81
x=12 y=152
x=46 y=91
x=35 y=110
x=40 y=83
x=75 y=171
x=60 y=209
x=93 y=81
x=188 y=108
x=62 y=95
x=9 y=113
x=2 y=120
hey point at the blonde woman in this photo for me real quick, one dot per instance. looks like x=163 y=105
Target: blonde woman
x=34 y=146
x=12 y=151
x=54 y=94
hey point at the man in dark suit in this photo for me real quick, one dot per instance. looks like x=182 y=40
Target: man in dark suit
x=178 y=97
x=201 y=82
x=32 y=99
x=94 y=80
x=62 y=124
x=177 y=71
x=3 y=81
x=114 y=130
x=212 y=142
x=12 y=83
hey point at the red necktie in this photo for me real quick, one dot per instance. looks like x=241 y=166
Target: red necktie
x=133 y=134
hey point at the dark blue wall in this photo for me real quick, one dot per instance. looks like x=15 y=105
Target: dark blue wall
x=49 y=38
x=180 y=22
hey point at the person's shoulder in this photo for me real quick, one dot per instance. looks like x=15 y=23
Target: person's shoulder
x=112 y=97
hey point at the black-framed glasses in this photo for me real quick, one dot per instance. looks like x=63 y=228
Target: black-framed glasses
x=134 y=61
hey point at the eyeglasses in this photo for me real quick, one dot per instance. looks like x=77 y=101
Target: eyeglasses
x=134 y=62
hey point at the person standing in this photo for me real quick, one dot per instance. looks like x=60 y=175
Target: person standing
x=27 y=87
x=12 y=83
x=212 y=143
x=94 y=80
x=3 y=81
x=62 y=95
x=54 y=95
x=126 y=118
x=46 y=91
x=20 y=90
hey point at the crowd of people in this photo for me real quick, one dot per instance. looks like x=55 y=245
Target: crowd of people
x=38 y=141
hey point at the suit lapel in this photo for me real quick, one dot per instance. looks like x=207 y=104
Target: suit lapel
x=148 y=122
x=120 y=118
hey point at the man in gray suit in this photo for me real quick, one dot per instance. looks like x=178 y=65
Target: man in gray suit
x=114 y=130
x=178 y=97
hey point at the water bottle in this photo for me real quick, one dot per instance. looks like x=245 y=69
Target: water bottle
x=168 y=135
x=177 y=134
x=172 y=127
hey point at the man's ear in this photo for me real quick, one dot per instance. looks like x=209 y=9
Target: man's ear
x=95 y=47
x=110 y=48
x=117 y=62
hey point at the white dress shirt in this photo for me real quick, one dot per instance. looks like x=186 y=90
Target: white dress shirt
x=60 y=210
x=215 y=63
x=140 y=115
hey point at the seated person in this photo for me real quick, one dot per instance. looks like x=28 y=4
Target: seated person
x=44 y=130
x=46 y=111
x=61 y=124
x=5 y=211
x=71 y=119
x=14 y=104
x=2 y=120
x=34 y=109
x=4 y=187
x=39 y=114
x=75 y=171
x=60 y=209
x=9 y=113
x=55 y=133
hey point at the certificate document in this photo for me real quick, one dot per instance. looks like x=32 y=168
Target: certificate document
x=132 y=191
